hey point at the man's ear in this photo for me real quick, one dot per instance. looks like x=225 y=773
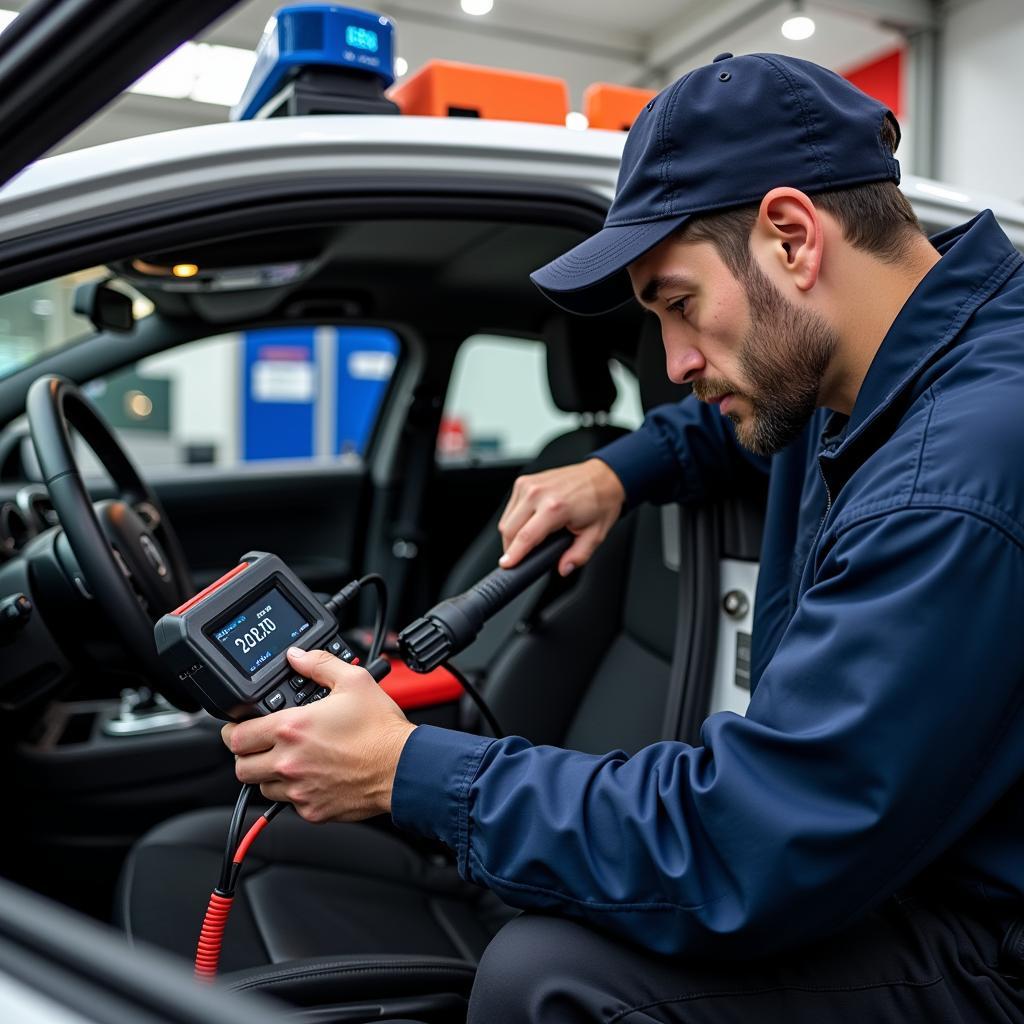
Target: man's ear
x=788 y=236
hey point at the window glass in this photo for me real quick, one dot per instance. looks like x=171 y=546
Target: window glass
x=37 y=320
x=499 y=405
x=272 y=393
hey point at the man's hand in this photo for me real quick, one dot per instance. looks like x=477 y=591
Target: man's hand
x=587 y=498
x=335 y=760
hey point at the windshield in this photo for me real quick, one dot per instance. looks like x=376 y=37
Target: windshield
x=40 y=319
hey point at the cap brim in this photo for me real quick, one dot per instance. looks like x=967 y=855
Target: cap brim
x=592 y=277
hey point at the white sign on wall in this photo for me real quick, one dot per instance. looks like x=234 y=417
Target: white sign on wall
x=283 y=380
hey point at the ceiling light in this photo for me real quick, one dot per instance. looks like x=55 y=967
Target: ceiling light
x=478 y=7
x=798 y=26
x=577 y=121
x=206 y=72
x=401 y=66
x=173 y=77
x=138 y=404
x=184 y=270
x=221 y=73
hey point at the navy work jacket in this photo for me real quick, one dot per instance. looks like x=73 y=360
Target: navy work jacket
x=884 y=742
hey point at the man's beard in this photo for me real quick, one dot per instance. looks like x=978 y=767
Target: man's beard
x=783 y=356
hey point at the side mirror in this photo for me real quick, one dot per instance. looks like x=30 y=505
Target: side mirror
x=105 y=308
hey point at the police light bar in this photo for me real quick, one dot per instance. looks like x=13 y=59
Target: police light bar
x=320 y=58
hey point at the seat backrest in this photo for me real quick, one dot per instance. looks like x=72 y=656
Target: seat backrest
x=581 y=382
x=592 y=674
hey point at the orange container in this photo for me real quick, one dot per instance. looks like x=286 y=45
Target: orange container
x=614 y=106
x=444 y=88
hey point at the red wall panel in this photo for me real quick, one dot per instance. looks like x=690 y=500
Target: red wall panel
x=881 y=78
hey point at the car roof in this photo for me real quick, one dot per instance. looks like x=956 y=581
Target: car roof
x=91 y=182
x=57 y=190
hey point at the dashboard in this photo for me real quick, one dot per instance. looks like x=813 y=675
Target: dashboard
x=23 y=515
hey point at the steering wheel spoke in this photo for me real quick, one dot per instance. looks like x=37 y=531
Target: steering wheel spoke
x=126 y=546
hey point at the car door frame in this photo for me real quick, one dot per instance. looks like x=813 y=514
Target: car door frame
x=51 y=79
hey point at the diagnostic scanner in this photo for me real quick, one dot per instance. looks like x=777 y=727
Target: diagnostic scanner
x=229 y=643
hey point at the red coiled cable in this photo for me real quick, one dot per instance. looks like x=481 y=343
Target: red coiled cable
x=211 y=935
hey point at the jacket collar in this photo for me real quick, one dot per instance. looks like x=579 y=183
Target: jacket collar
x=977 y=258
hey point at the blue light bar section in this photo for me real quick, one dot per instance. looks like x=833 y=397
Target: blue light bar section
x=317 y=35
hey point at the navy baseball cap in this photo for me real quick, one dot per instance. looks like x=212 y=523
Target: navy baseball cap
x=723 y=135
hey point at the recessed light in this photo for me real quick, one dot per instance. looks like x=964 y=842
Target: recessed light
x=798 y=27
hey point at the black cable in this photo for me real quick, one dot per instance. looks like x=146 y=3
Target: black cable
x=235 y=868
x=234 y=836
x=348 y=593
x=474 y=695
x=379 y=628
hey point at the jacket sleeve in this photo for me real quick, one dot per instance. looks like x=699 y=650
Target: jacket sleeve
x=685 y=451
x=887 y=723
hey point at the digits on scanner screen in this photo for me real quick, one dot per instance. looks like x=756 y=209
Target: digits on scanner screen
x=264 y=628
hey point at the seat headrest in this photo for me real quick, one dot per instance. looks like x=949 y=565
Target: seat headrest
x=655 y=387
x=578 y=372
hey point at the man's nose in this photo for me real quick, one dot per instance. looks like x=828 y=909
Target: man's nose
x=683 y=364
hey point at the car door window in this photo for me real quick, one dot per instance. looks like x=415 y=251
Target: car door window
x=275 y=393
x=499 y=405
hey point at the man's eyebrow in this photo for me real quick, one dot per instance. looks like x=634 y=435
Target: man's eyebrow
x=656 y=284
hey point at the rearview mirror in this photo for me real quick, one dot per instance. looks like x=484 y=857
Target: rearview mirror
x=105 y=308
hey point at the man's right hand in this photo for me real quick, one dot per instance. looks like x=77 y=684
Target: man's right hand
x=586 y=498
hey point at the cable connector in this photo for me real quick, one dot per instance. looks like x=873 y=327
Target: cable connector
x=343 y=596
x=349 y=591
x=425 y=644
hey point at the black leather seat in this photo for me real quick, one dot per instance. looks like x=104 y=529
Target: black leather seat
x=350 y=912
x=581 y=383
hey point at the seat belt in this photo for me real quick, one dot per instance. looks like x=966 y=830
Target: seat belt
x=691 y=541
x=406 y=536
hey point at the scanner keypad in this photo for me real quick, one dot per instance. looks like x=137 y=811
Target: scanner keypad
x=297 y=690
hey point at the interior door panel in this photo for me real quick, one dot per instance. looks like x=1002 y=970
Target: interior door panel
x=310 y=516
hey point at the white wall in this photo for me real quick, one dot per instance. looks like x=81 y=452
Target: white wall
x=204 y=393
x=981 y=141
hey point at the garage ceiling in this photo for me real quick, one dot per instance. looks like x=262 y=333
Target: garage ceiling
x=643 y=42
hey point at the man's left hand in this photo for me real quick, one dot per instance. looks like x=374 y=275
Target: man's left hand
x=334 y=760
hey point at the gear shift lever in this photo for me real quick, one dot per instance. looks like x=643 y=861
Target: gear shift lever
x=143 y=711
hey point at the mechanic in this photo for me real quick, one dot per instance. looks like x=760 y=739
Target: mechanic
x=853 y=848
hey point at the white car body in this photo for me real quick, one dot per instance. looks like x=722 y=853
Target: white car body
x=121 y=176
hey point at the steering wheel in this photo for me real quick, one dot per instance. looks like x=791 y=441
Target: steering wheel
x=130 y=556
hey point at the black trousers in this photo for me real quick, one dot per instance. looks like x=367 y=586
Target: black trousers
x=906 y=962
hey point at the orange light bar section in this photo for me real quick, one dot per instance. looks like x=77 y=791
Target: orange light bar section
x=444 y=88
x=614 y=106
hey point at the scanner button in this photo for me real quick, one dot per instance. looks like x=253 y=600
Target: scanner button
x=336 y=647
x=303 y=695
x=297 y=682
x=275 y=701
x=320 y=694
